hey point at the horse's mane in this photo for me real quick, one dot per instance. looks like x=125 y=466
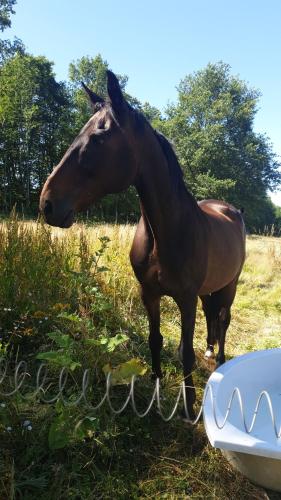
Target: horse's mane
x=174 y=167
x=175 y=170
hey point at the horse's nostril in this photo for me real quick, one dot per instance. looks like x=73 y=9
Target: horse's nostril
x=48 y=209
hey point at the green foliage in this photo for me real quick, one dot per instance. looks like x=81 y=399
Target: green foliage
x=92 y=71
x=106 y=344
x=6 y=9
x=222 y=157
x=277 y=221
x=8 y=48
x=62 y=357
x=35 y=122
x=211 y=127
x=123 y=373
x=65 y=430
x=68 y=349
x=151 y=113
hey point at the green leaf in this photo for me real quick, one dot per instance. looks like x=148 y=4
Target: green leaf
x=93 y=342
x=108 y=344
x=123 y=373
x=113 y=342
x=59 y=435
x=62 y=340
x=59 y=358
x=70 y=317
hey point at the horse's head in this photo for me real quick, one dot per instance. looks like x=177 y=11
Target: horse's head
x=99 y=161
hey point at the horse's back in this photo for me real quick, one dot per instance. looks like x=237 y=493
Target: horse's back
x=223 y=218
x=217 y=208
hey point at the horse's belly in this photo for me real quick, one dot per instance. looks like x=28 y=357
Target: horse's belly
x=222 y=271
x=213 y=284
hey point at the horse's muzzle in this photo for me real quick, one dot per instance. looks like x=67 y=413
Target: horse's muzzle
x=56 y=213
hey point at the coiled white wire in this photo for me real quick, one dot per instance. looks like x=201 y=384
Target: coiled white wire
x=21 y=374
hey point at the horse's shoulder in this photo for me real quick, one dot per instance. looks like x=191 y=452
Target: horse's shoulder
x=142 y=246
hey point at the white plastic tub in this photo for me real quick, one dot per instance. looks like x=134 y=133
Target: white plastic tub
x=242 y=415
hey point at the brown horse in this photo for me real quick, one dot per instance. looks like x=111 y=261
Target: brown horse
x=181 y=248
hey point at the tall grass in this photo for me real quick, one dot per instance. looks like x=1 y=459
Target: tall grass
x=80 y=287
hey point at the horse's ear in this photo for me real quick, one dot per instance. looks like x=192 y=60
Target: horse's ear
x=94 y=98
x=115 y=95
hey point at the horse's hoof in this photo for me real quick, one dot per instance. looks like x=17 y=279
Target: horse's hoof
x=209 y=355
x=189 y=417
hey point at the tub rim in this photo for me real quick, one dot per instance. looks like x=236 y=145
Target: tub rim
x=230 y=437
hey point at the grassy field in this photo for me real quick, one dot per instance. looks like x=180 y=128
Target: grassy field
x=68 y=294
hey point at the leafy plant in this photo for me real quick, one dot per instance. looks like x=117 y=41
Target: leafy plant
x=123 y=373
x=65 y=429
x=108 y=344
x=63 y=356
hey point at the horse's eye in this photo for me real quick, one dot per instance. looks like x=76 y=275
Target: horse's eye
x=100 y=125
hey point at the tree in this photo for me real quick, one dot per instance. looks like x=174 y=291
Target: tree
x=92 y=71
x=6 y=9
x=7 y=47
x=212 y=129
x=151 y=113
x=277 y=222
x=34 y=127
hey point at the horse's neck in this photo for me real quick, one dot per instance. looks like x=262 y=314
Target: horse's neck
x=168 y=208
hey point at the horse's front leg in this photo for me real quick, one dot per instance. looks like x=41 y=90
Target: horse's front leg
x=187 y=306
x=152 y=305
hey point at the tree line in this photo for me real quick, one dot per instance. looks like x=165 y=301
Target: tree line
x=211 y=126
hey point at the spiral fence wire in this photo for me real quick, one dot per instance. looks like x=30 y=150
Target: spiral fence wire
x=21 y=375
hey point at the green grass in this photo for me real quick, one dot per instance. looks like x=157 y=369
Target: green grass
x=49 y=282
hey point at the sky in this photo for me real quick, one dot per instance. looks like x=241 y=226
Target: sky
x=158 y=42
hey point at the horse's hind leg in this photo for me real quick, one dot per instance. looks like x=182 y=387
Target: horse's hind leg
x=211 y=327
x=152 y=305
x=223 y=324
x=221 y=302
